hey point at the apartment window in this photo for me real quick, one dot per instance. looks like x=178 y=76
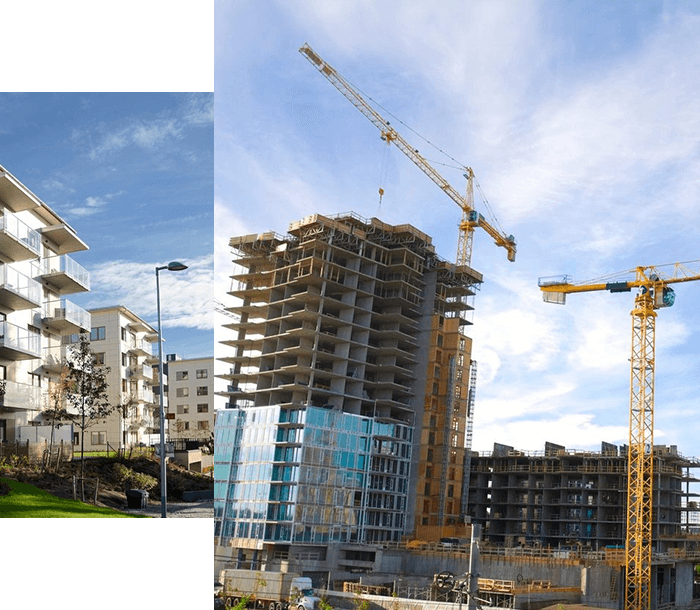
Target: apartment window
x=99 y=358
x=99 y=438
x=180 y=392
x=183 y=409
x=125 y=387
x=97 y=333
x=202 y=391
x=123 y=334
x=202 y=373
x=185 y=425
x=34 y=379
x=181 y=375
x=203 y=424
x=202 y=408
x=123 y=359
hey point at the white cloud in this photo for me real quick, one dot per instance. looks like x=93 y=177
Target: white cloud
x=92 y=205
x=573 y=430
x=185 y=296
x=146 y=135
x=153 y=134
x=197 y=110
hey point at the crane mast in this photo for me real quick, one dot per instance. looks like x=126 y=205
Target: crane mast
x=470 y=217
x=654 y=293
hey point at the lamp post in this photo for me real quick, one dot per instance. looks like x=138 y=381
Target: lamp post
x=173 y=266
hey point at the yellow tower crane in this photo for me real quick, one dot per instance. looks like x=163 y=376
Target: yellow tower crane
x=470 y=217
x=653 y=293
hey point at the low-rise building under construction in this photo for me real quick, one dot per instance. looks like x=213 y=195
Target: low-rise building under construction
x=577 y=499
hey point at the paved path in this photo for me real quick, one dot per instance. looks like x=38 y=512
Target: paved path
x=199 y=509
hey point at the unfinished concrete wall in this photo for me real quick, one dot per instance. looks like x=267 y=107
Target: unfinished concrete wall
x=684 y=583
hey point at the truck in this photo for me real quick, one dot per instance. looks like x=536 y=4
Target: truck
x=268 y=590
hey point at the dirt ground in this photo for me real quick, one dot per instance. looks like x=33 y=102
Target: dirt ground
x=110 y=490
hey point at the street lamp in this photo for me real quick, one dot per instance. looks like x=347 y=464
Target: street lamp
x=173 y=266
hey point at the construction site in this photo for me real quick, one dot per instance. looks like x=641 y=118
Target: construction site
x=345 y=452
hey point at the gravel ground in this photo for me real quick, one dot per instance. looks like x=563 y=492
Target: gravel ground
x=199 y=509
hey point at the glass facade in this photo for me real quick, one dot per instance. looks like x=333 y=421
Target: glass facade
x=309 y=476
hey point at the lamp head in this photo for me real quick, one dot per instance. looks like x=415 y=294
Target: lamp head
x=176 y=266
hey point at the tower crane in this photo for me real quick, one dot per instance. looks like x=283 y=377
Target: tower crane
x=654 y=292
x=470 y=217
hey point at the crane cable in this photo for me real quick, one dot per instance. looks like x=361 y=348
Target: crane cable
x=460 y=166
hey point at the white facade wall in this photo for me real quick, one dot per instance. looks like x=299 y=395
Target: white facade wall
x=36 y=274
x=126 y=344
x=191 y=398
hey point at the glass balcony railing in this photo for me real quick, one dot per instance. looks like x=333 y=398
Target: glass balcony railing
x=65 y=265
x=21 y=396
x=20 y=339
x=14 y=284
x=64 y=314
x=28 y=240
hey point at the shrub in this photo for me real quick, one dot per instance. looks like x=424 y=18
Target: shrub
x=132 y=479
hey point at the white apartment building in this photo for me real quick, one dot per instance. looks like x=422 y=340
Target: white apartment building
x=126 y=344
x=36 y=272
x=190 y=397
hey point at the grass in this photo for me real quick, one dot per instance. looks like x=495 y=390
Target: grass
x=25 y=500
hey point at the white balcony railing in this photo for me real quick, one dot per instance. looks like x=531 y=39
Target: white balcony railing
x=19 y=284
x=65 y=264
x=21 y=396
x=20 y=232
x=21 y=339
x=65 y=311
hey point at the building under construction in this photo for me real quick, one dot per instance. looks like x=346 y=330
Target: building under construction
x=577 y=499
x=348 y=389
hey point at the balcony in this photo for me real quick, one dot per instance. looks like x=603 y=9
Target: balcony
x=55 y=356
x=18 y=242
x=18 y=343
x=21 y=396
x=141 y=371
x=64 y=237
x=17 y=291
x=66 y=316
x=140 y=348
x=64 y=274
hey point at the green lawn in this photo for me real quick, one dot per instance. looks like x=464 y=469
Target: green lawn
x=28 y=501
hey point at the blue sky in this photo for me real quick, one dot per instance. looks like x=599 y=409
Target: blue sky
x=132 y=173
x=580 y=121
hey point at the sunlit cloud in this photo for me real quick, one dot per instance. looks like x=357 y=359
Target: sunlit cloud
x=185 y=295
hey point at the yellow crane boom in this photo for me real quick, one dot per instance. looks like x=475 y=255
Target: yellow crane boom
x=653 y=293
x=470 y=217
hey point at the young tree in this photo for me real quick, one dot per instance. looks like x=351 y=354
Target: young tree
x=126 y=411
x=56 y=411
x=87 y=396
